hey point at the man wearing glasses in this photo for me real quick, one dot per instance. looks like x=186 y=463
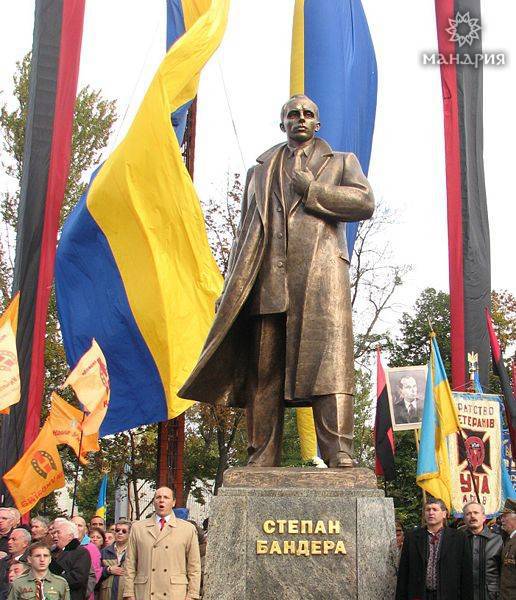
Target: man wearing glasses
x=113 y=559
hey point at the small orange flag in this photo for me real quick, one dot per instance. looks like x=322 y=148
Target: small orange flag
x=66 y=423
x=9 y=370
x=90 y=381
x=38 y=472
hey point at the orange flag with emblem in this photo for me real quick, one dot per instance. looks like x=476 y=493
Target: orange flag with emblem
x=9 y=369
x=38 y=472
x=66 y=422
x=90 y=381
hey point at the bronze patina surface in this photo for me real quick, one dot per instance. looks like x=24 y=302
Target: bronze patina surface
x=282 y=335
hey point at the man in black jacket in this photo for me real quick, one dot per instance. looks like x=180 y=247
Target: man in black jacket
x=69 y=559
x=486 y=551
x=435 y=561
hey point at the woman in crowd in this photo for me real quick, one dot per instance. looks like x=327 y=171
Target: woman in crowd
x=113 y=559
x=97 y=537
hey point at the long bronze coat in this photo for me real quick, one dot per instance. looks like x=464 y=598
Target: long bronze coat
x=319 y=332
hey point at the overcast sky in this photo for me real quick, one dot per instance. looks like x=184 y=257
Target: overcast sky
x=124 y=41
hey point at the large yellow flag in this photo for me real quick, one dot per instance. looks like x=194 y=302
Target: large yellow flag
x=9 y=370
x=90 y=381
x=38 y=472
x=66 y=422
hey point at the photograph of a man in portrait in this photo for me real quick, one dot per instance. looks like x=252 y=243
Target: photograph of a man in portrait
x=406 y=392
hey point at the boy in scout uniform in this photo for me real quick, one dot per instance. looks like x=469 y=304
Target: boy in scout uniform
x=39 y=583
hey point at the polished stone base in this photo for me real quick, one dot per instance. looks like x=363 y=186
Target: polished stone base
x=300 y=534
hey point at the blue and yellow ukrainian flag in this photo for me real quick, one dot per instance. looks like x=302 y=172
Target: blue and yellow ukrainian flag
x=334 y=63
x=102 y=499
x=440 y=419
x=134 y=269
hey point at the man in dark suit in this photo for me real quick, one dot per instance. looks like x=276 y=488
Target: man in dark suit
x=408 y=407
x=435 y=561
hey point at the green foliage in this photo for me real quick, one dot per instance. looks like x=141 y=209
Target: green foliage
x=129 y=458
x=291 y=455
x=412 y=347
x=406 y=493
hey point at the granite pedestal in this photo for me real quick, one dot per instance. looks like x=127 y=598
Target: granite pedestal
x=300 y=533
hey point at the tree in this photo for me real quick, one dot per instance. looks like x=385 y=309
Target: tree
x=412 y=346
x=129 y=459
x=374 y=281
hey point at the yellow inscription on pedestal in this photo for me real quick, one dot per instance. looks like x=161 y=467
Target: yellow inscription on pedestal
x=303 y=526
x=301 y=547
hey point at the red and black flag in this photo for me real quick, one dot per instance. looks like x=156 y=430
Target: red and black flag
x=460 y=46
x=383 y=435
x=499 y=369
x=56 y=50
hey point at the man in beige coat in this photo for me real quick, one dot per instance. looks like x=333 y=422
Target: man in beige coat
x=162 y=560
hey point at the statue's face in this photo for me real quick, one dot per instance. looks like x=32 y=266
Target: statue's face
x=300 y=120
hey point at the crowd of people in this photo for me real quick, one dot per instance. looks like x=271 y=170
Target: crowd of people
x=162 y=556
x=70 y=559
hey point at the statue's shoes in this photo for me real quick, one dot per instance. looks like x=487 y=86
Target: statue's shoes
x=342 y=460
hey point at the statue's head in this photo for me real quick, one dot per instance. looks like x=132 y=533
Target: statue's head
x=300 y=119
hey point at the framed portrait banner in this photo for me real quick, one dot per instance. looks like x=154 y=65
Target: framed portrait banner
x=406 y=392
x=479 y=417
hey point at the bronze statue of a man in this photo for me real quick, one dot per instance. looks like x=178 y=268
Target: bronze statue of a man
x=282 y=335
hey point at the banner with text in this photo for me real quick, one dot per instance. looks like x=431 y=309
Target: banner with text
x=479 y=417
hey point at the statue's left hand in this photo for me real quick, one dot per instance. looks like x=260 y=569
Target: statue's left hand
x=301 y=180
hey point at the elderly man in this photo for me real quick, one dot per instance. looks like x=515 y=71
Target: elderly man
x=508 y=574
x=8 y=519
x=282 y=335
x=17 y=545
x=69 y=559
x=162 y=559
x=435 y=562
x=486 y=550
x=39 y=530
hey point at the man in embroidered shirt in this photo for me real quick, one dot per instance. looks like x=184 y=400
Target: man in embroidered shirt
x=162 y=558
x=39 y=583
x=435 y=562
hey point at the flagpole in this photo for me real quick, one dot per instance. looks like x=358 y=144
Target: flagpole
x=416 y=436
x=77 y=469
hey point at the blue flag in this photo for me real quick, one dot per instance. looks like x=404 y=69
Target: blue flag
x=102 y=499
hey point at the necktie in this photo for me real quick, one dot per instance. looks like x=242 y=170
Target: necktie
x=412 y=413
x=162 y=522
x=39 y=589
x=297 y=159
